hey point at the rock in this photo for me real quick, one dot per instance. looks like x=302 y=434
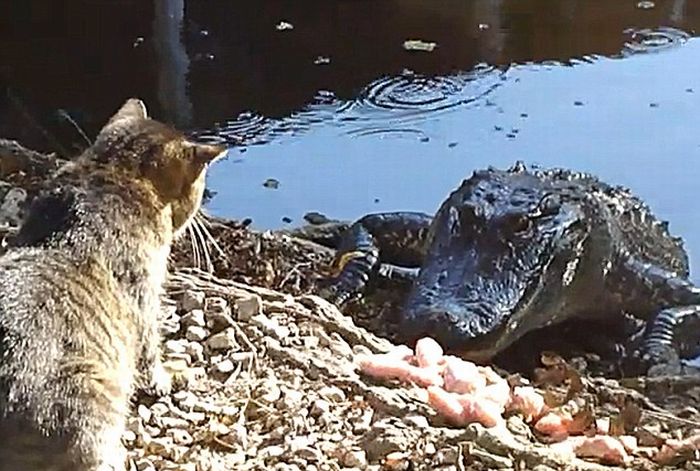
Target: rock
x=332 y=393
x=319 y=407
x=248 y=307
x=196 y=333
x=218 y=314
x=355 y=458
x=181 y=437
x=270 y=326
x=196 y=351
x=224 y=340
x=272 y=451
x=144 y=464
x=144 y=412
x=194 y=317
x=225 y=366
x=176 y=346
x=11 y=208
x=191 y=300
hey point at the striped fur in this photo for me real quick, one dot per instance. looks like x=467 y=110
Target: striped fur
x=79 y=295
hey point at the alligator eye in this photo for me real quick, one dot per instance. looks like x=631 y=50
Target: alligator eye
x=520 y=224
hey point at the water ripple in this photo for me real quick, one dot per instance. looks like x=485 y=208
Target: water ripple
x=642 y=41
x=247 y=128
x=410 y=96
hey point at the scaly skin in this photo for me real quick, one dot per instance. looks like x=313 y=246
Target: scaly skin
x=509 y=252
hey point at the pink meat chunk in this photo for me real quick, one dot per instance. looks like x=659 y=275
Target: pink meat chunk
x=429 y=353
x=462 y=376
x=385 y=366
x=479 y=409
x=672 y=448
x=605 y=448
x=555 y=424
x=526 y=401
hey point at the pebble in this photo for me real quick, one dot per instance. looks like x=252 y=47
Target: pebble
x=332 y=393
x=246 y=308
x=176 y=346
x=196 y=333
x=319 y=407
x=180 y=436
x=196 y=351
x=225 y=366
x=355 y=458
x=194 y=317
x=191 y=300
x=224 y=340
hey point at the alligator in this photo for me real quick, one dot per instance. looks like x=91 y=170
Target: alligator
x=513 y=251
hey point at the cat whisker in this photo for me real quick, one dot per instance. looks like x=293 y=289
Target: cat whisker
x=202 y=219
x=70 y=119
x=196 y=226
x=196 y=258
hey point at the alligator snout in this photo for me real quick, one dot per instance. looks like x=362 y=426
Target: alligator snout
x=457 y=327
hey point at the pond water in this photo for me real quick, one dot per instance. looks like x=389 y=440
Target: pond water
x=324 y=97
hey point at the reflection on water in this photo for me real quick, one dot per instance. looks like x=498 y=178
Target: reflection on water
x=596 y=85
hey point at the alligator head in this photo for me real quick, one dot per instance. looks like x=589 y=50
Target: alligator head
x=502 y=249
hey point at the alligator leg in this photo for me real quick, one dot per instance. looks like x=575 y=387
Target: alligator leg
x=682 y=298
x=386 y=244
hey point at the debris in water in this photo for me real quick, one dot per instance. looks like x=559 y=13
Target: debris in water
x=419 y=45
x=321 y=60
x=283 y=26
x=271 y=183
x=646 y=5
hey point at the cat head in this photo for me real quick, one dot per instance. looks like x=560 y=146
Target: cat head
x=159 y=154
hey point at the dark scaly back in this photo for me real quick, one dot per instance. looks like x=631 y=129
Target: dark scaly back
x=642 y=234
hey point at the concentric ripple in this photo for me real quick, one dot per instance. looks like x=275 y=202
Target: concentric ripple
x=408 y=96
x=247 y=129
x=643 y=41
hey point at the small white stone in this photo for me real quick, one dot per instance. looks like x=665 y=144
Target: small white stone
x=319 y=407
x=159 y=409
x=332 y=393
x=175 y=346
x=144 y=412
x=196 y=333
x=181 y=437
x=225 y=366
x=194 y=317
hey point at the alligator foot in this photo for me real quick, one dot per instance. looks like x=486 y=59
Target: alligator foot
x=660 y=351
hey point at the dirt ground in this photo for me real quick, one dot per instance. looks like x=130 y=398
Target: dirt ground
x=267 y=377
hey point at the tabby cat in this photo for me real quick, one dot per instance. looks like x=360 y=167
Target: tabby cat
x=79 y=294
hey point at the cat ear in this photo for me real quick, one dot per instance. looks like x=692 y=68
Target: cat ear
x=206 y=153
x=133 y=108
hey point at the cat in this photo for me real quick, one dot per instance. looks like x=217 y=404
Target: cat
x=80 y=288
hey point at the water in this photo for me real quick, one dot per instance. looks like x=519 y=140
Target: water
x=350 y=122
